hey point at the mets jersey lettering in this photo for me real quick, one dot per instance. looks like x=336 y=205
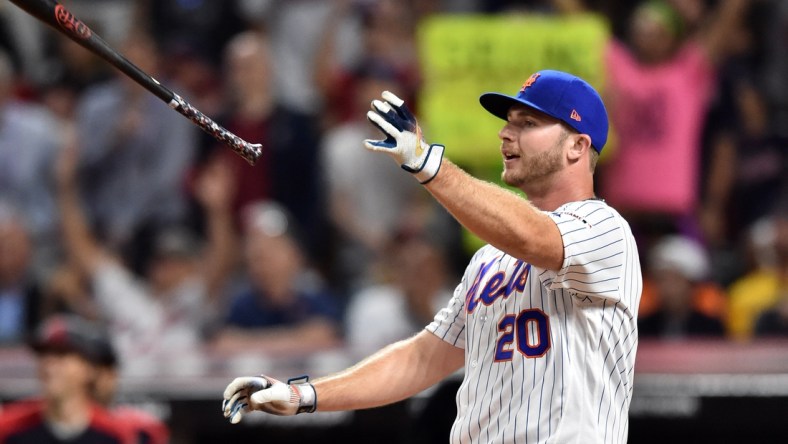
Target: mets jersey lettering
x=493 y=289
x=539 y=343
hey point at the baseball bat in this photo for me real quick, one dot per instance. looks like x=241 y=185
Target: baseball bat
x=60 y=18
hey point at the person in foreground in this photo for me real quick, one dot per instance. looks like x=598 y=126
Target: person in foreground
x=68 y=350
x=544 y=321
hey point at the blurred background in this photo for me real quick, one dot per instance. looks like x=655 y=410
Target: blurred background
x=195 y=267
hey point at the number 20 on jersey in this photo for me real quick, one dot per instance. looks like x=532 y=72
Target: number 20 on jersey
x=528 y=332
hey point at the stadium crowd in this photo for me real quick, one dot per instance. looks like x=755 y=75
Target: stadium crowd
x=117 y=210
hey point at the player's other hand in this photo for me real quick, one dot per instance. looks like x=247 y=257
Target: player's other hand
x=249 y=393
x=403 y=140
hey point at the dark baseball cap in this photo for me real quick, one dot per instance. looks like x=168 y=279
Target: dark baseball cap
x=561 y=95
x=72 y=334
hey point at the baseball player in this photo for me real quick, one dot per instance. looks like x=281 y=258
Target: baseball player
x=544 y=320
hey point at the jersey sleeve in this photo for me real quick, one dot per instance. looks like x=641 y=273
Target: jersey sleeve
x=449 y=322
x=594 y=250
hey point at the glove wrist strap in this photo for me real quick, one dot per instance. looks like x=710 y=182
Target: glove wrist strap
x=307 y=402
x=432 y=164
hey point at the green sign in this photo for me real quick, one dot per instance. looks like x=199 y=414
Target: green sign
x=463 y=56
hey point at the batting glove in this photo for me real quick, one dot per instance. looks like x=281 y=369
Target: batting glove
x=403 y=140
x=268 y=395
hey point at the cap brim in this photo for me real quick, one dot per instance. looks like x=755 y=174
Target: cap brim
x=498 y=104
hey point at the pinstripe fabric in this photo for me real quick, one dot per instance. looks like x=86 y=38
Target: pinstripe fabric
x=575 y=389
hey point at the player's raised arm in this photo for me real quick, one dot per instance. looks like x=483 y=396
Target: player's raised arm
x=544 y=157
x=499 y=217
x=396 y=372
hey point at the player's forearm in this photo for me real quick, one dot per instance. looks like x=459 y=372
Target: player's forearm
x=499 y=217
x=395 y=373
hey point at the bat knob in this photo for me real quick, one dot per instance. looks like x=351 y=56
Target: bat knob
x=252 y=152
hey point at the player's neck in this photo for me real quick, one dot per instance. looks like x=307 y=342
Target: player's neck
x=549 y=194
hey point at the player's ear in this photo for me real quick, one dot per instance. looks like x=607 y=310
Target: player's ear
x=581 y=144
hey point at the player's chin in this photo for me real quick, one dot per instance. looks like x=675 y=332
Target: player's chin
x=511 y=178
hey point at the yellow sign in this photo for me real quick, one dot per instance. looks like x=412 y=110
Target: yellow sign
x=464 y=56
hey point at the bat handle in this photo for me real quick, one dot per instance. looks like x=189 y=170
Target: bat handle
x=249 y=151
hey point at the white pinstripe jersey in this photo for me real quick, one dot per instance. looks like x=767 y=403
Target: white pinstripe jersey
x=549 y=356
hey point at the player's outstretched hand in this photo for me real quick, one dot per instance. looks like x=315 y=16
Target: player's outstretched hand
x=403 y=139
x=268 y=395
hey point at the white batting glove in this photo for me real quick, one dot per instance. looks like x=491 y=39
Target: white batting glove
x=403 y=140
x=249 y=393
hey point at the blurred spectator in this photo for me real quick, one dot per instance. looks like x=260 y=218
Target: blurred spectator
x=286 y=308
x=250 y=105
x=774 y=321
x=289 y=171
x=20 y=296
x=136 y=151
x=759 y=288
x=295 y=30
x=660 y=83
x=164 y=315
x=365 y=218
x=748 y=171
x=386 y=32
x=28 y=142
x=678 y=266
x=744 y=158
x=206 y=25
x=148 y=428
x=68 y=350
x=418 y=287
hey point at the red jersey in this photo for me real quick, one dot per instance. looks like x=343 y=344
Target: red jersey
x=24 y=423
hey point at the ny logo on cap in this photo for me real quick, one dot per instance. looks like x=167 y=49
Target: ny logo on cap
x=530 y=81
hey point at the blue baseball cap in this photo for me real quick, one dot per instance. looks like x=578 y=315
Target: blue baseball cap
x=563 y=96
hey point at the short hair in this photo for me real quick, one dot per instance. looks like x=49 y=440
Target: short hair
x=593 y=159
